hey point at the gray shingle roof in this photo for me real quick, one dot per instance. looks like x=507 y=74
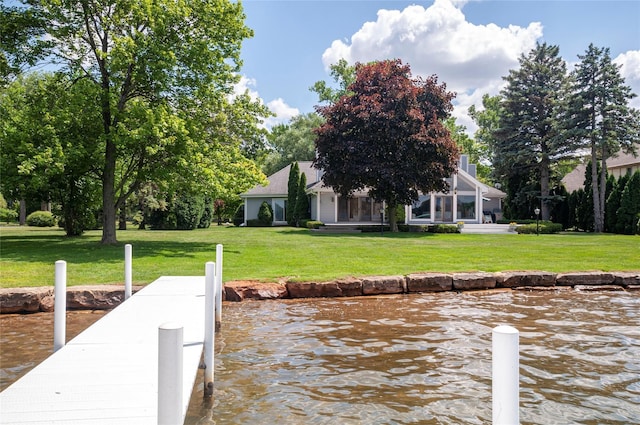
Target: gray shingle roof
x=279 y=181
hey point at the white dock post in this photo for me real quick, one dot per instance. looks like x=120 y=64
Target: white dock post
x=505 y=376
x=209 y=332
x=219 y=250
x=60 y=306
x=170 y=367
x=127 y=271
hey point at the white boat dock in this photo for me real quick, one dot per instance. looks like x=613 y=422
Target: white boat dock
x=109 y=373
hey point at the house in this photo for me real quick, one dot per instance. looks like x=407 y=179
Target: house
x=469 y=200
x=617 y=166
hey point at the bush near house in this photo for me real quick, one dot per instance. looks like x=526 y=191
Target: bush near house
x=41 y=219
x=265 y=214
x=311 y=224
x=544 y=227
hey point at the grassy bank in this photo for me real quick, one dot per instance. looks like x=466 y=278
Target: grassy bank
x=27 y=255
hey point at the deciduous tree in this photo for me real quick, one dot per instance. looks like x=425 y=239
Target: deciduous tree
x=387 y=136
x=165 y=72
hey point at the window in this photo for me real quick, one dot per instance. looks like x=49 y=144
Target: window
x=466 y=207
x=421 y=209
x=279 y=208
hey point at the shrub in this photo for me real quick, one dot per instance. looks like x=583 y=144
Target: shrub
x=444 y=228
x=413 y=228
x=256 y=222
x=207 y=214
x=265 y=214
x=238 y=217
x=546 y=227
x=312 y=224
x=7 y=215
x=188 y=210
x=41 y=219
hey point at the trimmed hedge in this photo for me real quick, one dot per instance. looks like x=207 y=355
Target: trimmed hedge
x=41 y=219
x=545 y=227
x=311 y=224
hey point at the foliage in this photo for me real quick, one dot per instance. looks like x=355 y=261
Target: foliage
x=344 y=75
x=613 y=203
x=238 y=216
x=301 y=211
x=529 y=139
x=629 y=209
x=8 y=216
x=543 y=227
x=41 y=219
x=311 y=224
x=598 y=116
x=188 y=210
x=164 y=104
x=265 y=214
x=49 y=146
x=291 y=142
x=387 y=136
x=443 y=228
x=3 y=202
x=478 y=154
x=292 y=193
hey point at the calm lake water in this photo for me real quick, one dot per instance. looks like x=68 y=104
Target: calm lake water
x=405 y=359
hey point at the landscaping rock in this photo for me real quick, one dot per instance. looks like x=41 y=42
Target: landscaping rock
x=523 y=278
x=429 y=282
x=479 y=280
x=593 y=288
x=95 y=297
x=241 y=290
x=585 y=278
x=626 y=278
x=337 y=288
x=376 y=285
x=23 y=300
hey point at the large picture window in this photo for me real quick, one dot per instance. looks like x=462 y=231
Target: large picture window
x=421 y=209
x=466 y=207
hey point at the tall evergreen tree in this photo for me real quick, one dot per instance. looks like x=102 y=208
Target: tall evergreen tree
x=613 y=203
x=292 y=193
x=599 y=117
x=302 y=200
x=629 y=211
x=529 y=136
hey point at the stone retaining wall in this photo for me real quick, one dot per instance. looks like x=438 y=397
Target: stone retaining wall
x=99 y=297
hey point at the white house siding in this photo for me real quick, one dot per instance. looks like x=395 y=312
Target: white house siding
x=252 y=206
x=326 y=208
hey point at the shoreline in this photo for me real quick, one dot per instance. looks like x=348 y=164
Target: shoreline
x=106 y=297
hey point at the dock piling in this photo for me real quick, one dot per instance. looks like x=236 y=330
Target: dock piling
x=505 y=376
x=219 y=250
x=60 y=306
x=170 y=369
x=127 y=271
x=209 y=332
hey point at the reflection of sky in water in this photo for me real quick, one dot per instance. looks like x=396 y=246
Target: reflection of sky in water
x=406 y=359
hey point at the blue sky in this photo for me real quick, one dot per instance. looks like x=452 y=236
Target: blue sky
x=470 y=45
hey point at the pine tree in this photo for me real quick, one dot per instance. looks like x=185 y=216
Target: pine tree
x=529 y=135
x=292 y=193
x=627 y=215
x=599 y=116
x=613 y=203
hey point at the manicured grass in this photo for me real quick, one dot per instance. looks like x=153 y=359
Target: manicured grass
x=27 y=255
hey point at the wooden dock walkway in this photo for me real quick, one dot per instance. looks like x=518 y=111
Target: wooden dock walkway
x=109 y=373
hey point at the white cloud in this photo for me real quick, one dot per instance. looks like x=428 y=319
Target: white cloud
x=630 y=69
x=283 y=112
x=471 y=59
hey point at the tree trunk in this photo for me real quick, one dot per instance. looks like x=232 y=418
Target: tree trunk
x=544 y=188
x=108 y=195
x=603 y=189
x=393 y=217
x=23 y=212
x=598 y=222
x=122 y=218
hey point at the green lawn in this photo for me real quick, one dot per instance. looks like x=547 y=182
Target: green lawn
x=27 y=255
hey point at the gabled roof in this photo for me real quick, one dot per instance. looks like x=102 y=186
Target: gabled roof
x=623 y=160
x=279 y=181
